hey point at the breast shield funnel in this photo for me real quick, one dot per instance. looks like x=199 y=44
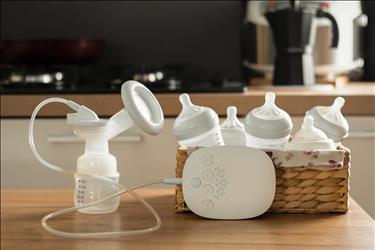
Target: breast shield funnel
x=141 y=109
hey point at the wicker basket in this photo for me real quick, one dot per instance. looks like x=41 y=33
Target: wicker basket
x=299 y=189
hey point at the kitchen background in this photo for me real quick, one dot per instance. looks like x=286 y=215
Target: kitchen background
x=172 y=47
x=190 y=40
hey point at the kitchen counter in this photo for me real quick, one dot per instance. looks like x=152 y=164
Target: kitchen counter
x=21 y=211
x=360 y=101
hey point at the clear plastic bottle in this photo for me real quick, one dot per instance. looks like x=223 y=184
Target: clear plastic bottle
x=268 y=126
x=95 y=161
x=232 y=129
x=90 y=189
x=197 y=126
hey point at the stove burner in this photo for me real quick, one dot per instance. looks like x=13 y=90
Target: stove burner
x=96 y=79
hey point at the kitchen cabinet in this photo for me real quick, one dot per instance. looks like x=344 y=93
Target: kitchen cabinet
x=143 y=157
x=361 y=142
x=140 y=156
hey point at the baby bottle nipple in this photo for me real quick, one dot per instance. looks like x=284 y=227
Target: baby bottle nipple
x=330 y=120
x=232 y=120
x=268 y=126
x=269 y=99
x=338 y=104
x=308 y=131
x=188 y=108
x=310 y=138
x=196 y=126
x=232 y=129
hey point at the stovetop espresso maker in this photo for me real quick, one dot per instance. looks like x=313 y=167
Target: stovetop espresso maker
x=293 y=32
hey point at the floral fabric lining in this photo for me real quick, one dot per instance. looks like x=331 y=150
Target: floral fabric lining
x=312 y=159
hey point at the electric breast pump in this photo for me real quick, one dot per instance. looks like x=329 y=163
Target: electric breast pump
x=97 y=188
x=142 y=110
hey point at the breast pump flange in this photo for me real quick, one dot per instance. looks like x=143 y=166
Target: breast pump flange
x=97 y=168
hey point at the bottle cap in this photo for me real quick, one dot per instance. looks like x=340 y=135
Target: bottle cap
x=193 y=120
x=232 y=129
x=330 y=120
x=310 y=138
x=268 y=121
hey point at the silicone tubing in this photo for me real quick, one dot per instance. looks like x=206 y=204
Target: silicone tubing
x=122 y=188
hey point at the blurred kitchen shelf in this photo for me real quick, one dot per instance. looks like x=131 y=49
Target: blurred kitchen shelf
x=337 y=81
x=360 y=101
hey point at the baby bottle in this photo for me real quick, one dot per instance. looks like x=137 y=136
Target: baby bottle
x=268 y=126
x=232 y=129
x=310 y=138
x=99 y=162
x=330 y=120
x=196 y=126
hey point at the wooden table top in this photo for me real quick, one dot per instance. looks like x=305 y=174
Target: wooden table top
x=360 y=101
x=21 y=211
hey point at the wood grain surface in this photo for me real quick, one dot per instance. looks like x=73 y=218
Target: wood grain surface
x=21 y=211
x=360 y=101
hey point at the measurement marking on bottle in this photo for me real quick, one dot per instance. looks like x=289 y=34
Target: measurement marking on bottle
x=80 y=192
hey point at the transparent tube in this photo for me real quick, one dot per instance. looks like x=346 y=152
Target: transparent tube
x=106 y=234
x=122 y=188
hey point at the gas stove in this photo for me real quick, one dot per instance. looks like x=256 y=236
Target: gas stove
x=75 y=79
